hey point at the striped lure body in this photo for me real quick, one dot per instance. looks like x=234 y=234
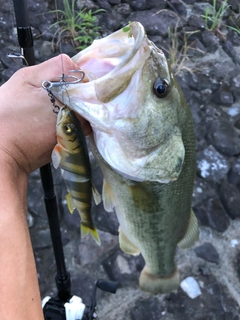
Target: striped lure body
x=71 y=155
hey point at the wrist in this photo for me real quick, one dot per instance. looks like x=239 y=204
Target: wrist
x=11 y=170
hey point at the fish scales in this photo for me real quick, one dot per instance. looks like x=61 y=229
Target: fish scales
x=143 y=140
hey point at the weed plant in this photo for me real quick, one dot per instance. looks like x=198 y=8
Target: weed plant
x=78 y=27
x=178 y=54
x=213 y=18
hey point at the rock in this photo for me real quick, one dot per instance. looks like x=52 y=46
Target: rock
x=217 y=65
x=234 y=38
x=210 y=41
x=205 y=271
x=155 y=4
x=44 y=49
x=221 y=133
x=40 y=239
x=200 y=8
x=123 y=268
x=105 y=221
x=138 y=5
x=234 y=243
x=68 y=48
x=200 y=80
x=237 y=123
x=30 y=220
x=114 y=2
x=223 y=96
x=36 y=205
x=230 y=197
x=234 y=5
x=189 y=1
x=229 y=49
x=123 y=9
x=190 y=287
x=234 y=173
x=237 y=263
x=196 y=48
x=86 y=4
x=211 y=165
x=211 y=304
x=201 y=192
x=155 y=23
x=72 y=221
x=89 y=251
x=178 y=6
x=200 y=134
x=235 y=82
x=149 y=308
x=207 y=252
x=212 y=214
x=104 y=4
x=196 y=21
x=110 y=21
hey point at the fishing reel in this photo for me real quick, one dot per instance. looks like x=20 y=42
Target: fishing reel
x=74 y=308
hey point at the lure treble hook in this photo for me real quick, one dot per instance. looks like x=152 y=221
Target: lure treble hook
x=64 y=80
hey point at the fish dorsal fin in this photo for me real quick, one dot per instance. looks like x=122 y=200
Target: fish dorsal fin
x=56 y=156
x=192 y=233
x=96 y=195
x=107 y=194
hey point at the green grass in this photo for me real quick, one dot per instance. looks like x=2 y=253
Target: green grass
x=235 y=28
x=77 y=27
x=213 y=18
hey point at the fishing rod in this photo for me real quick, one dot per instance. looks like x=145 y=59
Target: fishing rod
x=64 y=306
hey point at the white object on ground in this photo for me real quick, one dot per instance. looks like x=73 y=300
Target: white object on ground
x=191 y=287
x=234 y=242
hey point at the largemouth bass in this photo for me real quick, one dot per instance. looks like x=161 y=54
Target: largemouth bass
x=71 y=155
x=143 y=140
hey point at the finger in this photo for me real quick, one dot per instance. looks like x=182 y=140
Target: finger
x=50 y=70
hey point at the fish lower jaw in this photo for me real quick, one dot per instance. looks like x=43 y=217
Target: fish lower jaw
x=156 y=284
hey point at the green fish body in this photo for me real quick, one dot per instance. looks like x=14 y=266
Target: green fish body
x=143 y=140
x=71 y=155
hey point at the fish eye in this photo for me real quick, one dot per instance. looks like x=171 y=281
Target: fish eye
x=161 y=87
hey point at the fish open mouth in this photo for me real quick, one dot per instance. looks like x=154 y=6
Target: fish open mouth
x=106 y=56
x=109 y=64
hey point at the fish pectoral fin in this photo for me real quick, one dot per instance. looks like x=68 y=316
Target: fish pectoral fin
x=126 y=245
x=107 y=194
x=70 y=203
x=96 y=195
x=165 y=163
x=156 y=284
x=192 y=233
x=56 y=156
x=85 y=230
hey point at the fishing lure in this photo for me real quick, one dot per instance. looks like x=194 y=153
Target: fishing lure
x=71 y=155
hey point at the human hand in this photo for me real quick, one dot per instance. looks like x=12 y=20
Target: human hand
x=28 y=125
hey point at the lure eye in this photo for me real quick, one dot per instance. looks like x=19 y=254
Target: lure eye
x=67 y=129
x=161 y=87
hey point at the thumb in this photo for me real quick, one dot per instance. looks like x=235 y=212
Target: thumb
x=50 y=70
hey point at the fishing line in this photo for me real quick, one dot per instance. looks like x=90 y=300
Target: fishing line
x=58 y=23
x=61 y=51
